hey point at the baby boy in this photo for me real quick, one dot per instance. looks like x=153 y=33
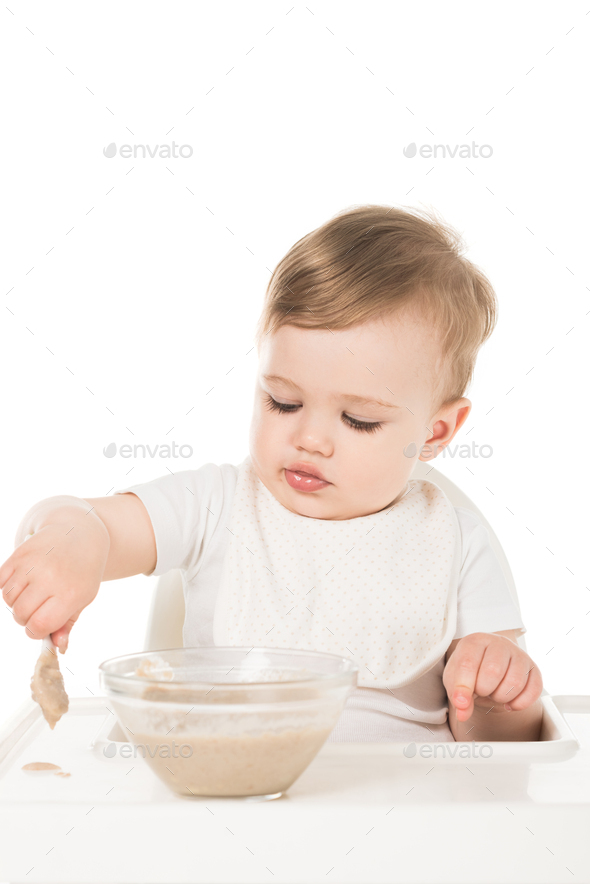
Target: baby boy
x=367 y=343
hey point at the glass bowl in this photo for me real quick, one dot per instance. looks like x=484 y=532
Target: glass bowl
x=227 y=721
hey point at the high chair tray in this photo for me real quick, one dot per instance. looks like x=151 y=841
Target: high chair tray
x=361 y=812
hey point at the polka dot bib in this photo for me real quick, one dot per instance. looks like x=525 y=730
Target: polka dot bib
x=380 y=589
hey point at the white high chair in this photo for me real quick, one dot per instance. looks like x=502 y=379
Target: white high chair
x=166 y=618
x=360 y=812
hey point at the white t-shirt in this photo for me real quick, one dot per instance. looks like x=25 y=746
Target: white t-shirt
x=190 y=510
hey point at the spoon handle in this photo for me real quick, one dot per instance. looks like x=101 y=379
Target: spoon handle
x=48 y=643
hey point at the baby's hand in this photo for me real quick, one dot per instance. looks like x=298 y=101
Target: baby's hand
x=55 y=573
x=490 y=671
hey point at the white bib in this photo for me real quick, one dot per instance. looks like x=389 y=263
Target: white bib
x=380 y=589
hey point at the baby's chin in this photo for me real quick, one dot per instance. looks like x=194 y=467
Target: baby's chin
x=328 y=509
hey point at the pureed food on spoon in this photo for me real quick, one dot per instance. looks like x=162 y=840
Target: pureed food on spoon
x=47 y=687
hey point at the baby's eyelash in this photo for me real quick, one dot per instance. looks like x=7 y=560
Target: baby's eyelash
x=273 y=405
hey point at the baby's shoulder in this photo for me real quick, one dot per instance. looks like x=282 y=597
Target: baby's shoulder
x=211 y=483
x=468 y=520
x=475 y=538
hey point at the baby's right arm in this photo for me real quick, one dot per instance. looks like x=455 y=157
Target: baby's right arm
x=65 y=547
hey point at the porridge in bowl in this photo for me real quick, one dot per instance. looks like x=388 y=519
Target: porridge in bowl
x=230 y=721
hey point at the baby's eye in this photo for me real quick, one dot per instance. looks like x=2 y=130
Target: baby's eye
x=363 y=426
x=280 y=406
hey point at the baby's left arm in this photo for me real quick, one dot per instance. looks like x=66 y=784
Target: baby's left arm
x=484 y=672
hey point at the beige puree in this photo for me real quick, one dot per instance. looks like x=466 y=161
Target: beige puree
x=47 y=687
x=219 y=764
x=225 y=766
x=45 y=766
x=40 y=765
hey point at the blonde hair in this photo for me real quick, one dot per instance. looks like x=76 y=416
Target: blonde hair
x=370 y=261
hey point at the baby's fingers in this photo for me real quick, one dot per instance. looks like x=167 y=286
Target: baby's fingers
x=520 y=689
x=49 y=616
x=61 y=636
x=12 y=584
x=29 y=600
x=459 y=679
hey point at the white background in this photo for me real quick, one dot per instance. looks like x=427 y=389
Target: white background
x=131 y=288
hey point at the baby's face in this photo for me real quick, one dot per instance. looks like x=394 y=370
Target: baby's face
x=393 y=360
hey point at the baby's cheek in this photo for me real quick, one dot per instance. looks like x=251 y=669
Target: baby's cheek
x=265 y=440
